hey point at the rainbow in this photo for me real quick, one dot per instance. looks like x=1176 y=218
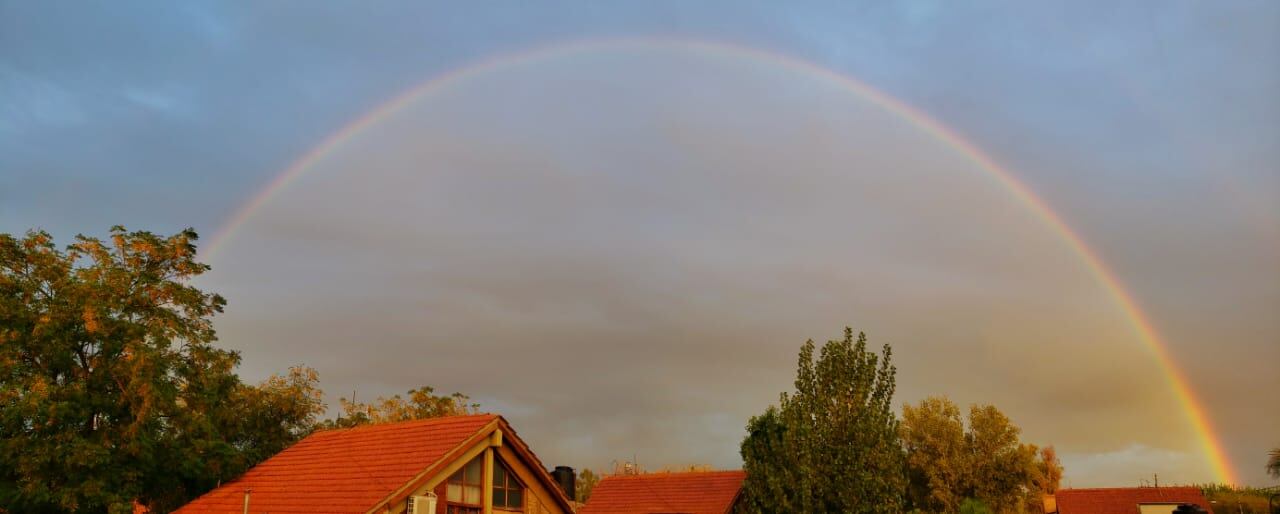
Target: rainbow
x=1143 y=327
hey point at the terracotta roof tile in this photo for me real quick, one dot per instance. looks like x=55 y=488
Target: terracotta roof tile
x=1124 y=500
x=704 y=492
x=342 y=471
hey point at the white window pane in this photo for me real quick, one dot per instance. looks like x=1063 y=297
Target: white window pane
x=454 y=493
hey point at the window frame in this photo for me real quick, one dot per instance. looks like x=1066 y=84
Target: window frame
x=512 y=483
x=462 y=474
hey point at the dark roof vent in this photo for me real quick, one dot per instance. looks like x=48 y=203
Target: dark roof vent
x=567 y=480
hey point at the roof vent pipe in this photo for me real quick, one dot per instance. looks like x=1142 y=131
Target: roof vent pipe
x=567 y=481
x=246 y=500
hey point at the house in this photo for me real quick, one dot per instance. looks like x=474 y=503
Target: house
x=1125 y=500
x=697 y=492
x=464 y=464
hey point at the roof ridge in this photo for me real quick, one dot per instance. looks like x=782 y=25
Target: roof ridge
x=400 y=424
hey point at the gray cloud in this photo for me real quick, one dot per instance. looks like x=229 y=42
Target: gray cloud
x=646 y=273
x=623 y=251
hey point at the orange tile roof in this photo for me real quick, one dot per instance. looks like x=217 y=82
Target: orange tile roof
x=342 y=471
x=1125 y=500
x=700 y=492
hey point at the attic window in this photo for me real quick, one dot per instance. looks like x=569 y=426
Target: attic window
x=507 y=492
x=464 y=489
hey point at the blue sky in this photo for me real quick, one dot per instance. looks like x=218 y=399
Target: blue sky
x=1152 y=129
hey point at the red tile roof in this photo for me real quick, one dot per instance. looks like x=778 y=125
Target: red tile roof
x=343 y=471
x=1125 y=500
x=701 y=492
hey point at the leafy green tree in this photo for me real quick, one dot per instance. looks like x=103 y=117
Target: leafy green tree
x=586 y=483
x=275 y=414
x=1003 y=468
x=974 y=506
x=832 y=444
x=1046 y=478
x=933 y=435
x=110 y=388
x=422 y=403
x=772 y=483
x=949 y=462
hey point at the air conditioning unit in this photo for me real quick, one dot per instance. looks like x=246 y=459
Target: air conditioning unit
x=422 y=504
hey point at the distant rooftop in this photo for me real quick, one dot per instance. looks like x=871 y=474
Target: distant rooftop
x=696 y=492
x=1125 y=500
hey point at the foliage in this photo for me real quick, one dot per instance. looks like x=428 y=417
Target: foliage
x=585 y=483
x=687 y=468
x=1003 y=468
x=1238 y=499
x=831 y=446
x=423 y=403
x=110 y=388
x=948 y=462
x=974 y=506
x=1046 y=480
x=933 y=435
x=278 y=412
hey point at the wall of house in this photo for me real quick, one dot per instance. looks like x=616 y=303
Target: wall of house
x=538 y=500
x=1163 y=508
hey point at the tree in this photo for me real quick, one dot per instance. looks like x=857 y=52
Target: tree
x=1273 y=463
x=772 y=481
x=974 y=506
x=586 y=483
x=1002 y=466
x=949 y=462
x=1237 y=499
x=423 y=403
x=243 y=426
x=277 y=413
x=110 y=388
x=937 y=455
x=831 y=445
x=1046 y=479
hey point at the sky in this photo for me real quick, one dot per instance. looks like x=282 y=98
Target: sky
x=618 y=226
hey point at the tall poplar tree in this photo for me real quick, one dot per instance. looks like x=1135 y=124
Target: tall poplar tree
x=832 y=444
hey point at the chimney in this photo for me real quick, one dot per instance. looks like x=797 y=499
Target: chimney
x=567 y=481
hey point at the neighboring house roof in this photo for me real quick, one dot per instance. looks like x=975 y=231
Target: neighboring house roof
x=699 y=492
x=357 y=469
x=1125 y=500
